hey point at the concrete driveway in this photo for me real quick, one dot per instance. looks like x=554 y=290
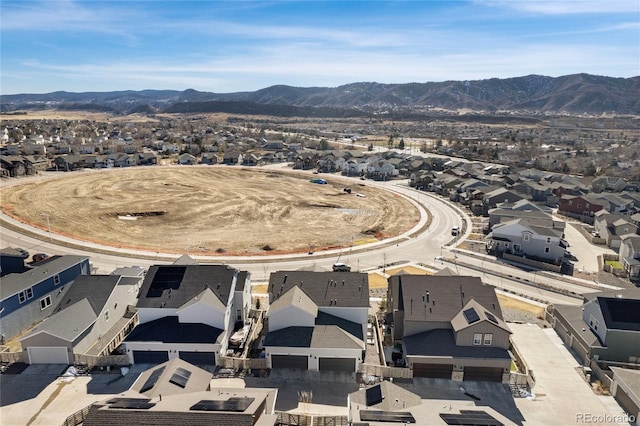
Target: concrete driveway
x=562 y=396
x=585 y=252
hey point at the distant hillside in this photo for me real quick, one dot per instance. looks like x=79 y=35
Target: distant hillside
x=574 y=94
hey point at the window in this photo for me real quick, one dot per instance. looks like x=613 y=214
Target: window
x=570 y=202
x=586 y=206
x=579 y=205
x=548 y=240
x=526 y=237
x=546 y=249
x=477 y=339
x=25 y=295
x=45 y=303
x=106 y=316
x=239 y=315
x=488 y=339
x=56 y=279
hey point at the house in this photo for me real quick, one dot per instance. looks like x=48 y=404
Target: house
x=528 y=239
x=177 y=392
x=36 y=163
x=12 y=261
x=186 y=311
x=187 y=159
x=535 y=191
x=92 y=318
x=381 y=170
x=625 y=388
x=449 y=327
x=69 y=162
x=29 y=297
x=147 y=158
x=251 y=159
x=605 y=327
x=578 y=206
x=608 y=183
x=500 y=195
x=209 y=158
x=505 y=213
x=13 y=165
x=612 y=226
x=232 y=158
x=629 y=255
x=613 y=203
x=317 y=320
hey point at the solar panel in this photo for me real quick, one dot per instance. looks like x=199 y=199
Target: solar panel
x=232 y=404
x=491 y=317
x=151 y=381
x=386 y=416
x=180 y=377
x=131 y=403
x=471 y=315
x=374 y=395
x=470 y=417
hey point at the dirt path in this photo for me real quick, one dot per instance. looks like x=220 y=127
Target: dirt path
x=210 y=210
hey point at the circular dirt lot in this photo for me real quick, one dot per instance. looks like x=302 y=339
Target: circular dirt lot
x=210 y=210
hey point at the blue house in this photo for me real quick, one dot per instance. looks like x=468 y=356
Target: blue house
x=29 y=297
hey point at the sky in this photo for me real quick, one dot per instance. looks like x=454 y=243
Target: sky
x=233 y=46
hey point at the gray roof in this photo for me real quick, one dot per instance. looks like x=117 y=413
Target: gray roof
x=629 y=377
x=297 y=297
x=170 y=330
x=81 y=305
x=345 y=289
x=394 y=397
x=172 y=286
x=460 y=322
x=442 y=343
x=632 y=240
x=15 y=283
x=447 y=295
x=198 y=380
x=319 y=336
x=572 y=315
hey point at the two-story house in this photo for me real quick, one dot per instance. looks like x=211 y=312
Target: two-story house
x=606 y=326
x=612 y=227
x=30 y=296
x=449 y=327
x=92 y=318
x=317 y=320
x=629 y=255
x=526 y=238
x=186 y=311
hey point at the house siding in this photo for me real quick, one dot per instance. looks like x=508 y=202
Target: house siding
x=290 y=316
x=500 y=337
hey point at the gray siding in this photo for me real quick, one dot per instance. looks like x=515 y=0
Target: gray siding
x=500 y=337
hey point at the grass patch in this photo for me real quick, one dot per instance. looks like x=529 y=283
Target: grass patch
x=613 y=263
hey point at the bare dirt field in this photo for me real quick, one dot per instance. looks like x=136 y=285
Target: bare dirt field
x=208 y=210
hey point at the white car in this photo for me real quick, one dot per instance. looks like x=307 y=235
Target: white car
x=455 y=231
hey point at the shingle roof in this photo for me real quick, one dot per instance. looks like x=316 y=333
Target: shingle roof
x=297 y=297
x=170 y=330
x=171 y=286
x=460 y=321
x=345 y=289
x=446 y=296
x=15 y=283
x=394 y=397
x=442 y=343
x=319 y=336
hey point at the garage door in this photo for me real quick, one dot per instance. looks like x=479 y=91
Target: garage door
x=347 y=365
x=434 y=371
x=150 y=357
x=483 y=374
x=299 y=362
x=198 y=358
x=48 y=355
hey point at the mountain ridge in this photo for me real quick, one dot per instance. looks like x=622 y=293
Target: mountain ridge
x=574 y=94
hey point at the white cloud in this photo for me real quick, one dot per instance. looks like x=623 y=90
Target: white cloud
x=566 y=7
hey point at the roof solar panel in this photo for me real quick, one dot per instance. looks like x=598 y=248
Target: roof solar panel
x=470 y=417
x=232 y=404
x=180 y=377
x=386 y=416
x=471 y=315
x=131 y=403
x=374 y=395
x=151 y=381
x=491 y=317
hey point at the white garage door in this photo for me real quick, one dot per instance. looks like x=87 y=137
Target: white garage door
x=48 y=355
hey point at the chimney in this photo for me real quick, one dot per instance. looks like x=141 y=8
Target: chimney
x=285 y=279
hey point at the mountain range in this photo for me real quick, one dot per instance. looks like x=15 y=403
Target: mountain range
x=534 y=94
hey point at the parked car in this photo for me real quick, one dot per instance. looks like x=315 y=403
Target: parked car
x=455 y=231
x=341 y=267
x=39 y=257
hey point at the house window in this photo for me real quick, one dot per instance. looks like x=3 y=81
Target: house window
x=593 y=322
x=45 y=303
x=570 y=202
x=477 y=339
x=25 y=295
x=526 y=237
x=579 y=205
x=106 y=316
x=546 y=249
x=488 y=339
x=548 y=240
x=239 y=315
x=56 y=279
x=586 y=206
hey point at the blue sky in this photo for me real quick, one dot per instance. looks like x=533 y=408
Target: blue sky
x=231 y=46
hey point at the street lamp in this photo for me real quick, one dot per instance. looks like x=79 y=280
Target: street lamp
x=48 y=223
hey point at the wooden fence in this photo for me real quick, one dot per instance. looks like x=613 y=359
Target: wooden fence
x=77 y=418
x=102 y=361
x=289 y=419
x=10 y=357
x=384 y=371
x=243 y=363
